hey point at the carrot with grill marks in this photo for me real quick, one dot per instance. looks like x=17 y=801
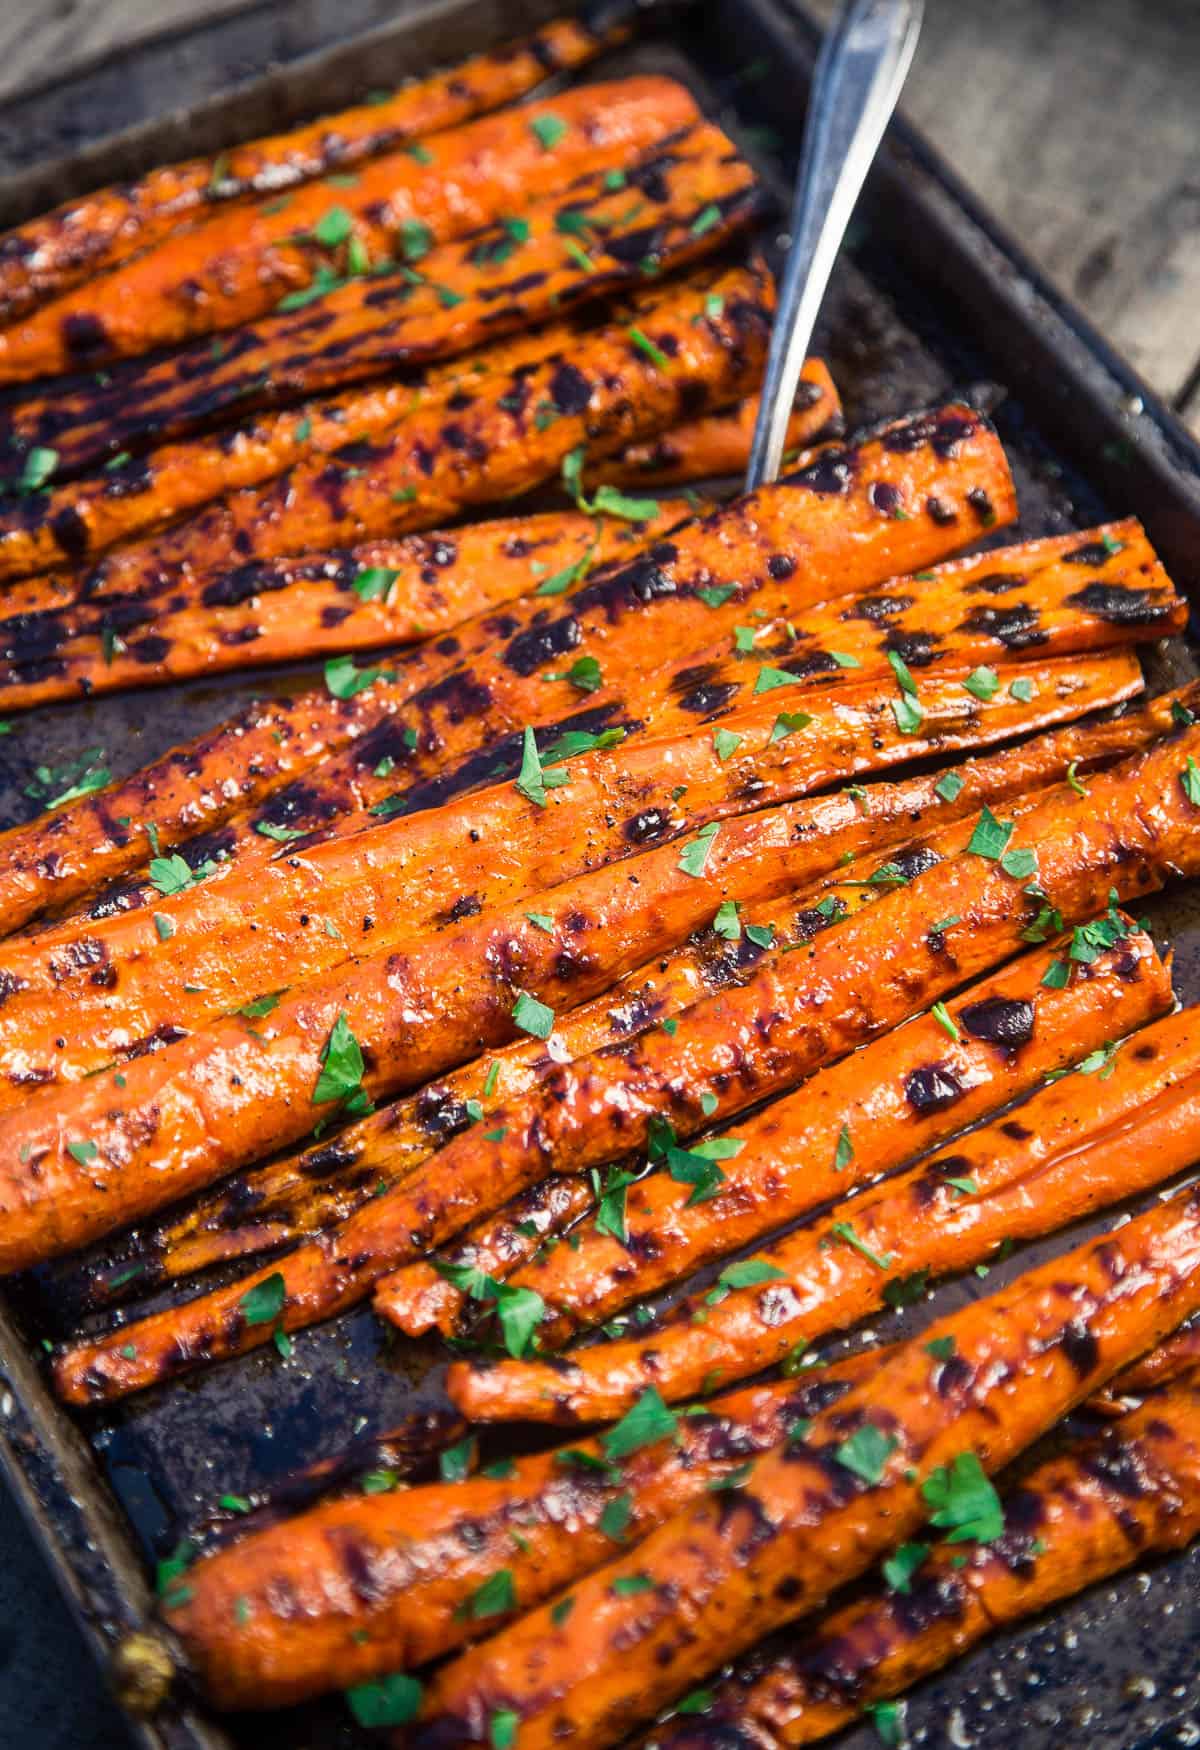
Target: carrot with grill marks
x=473 y=446
x=1076 y=1519
x=288 y=1199
x=794 y=1014
x=858 y=1118
x=58 y=249
x=277 y=917
x=819 y=1510
x=801 y=540
x=720 y=443
x=515 y=273
x=1074 y=1153
x=235 y=266
x=427 y=1566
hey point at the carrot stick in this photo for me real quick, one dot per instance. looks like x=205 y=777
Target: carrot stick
x=288 y=1199
x=473 y=447
x=1077 y=1519
x=831 y=1273
x=237 y=265
x=459 y=301
x=851 y=1122
x=715 y=445
x=426 y=1569
x=790 y=544
x=57 y=250
x=818 y=1511
x=793 y=1015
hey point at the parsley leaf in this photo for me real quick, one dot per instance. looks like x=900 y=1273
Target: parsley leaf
x=648 y=1421
x=866 y=1452
x=390 y=1701
x=533 y=1017
x=964 y=1499
x=899 y=1569
x=262 y=1303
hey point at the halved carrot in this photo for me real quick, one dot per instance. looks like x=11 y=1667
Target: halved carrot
x=818 y=1511
x=281 y=916
x=858 y=1118
x=1076 y=1519
x=793 y=1015
x=48 y=254
x=232 y=267
x=718 y=444
x=799 y=541
x=1068 y=1150
x=680 y=201
x=273 y=1205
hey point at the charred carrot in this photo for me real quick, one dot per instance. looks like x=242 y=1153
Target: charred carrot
x=55 y=251
x=818 y=1511
x=428 y=1572
x=852 y=1121
x=282 y=914
x=1078 y=1518
x=234 y=266
x=804 y=539
x=1072 y=1154
x=937 y=618
x=683 y=200
x=720 y=443
x=454 y=449
x=794 y=1014
x=284 y=1201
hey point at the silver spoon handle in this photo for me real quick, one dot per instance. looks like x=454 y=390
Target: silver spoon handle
x=859 y=72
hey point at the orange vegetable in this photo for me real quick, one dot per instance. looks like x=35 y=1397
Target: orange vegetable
x=794 y=1014
x=788 y=545
x=237 y=265
x=57 y=250
x=720 y=443
x=813 y=1514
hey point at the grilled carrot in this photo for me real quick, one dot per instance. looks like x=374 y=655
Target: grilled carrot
x=1178 y=1355
x=284 y=1201
x=718 y=444
x=794 y=1014
x=1076 y=1519
x=821 y=1509
x=235 y=266
x=471 y=446
x=802 y=540
x=55 y=251
x=197 y=947
x=1072 y=1154
x=426 y=1569
x=938 y=618
x=851 y=1122
x=682 y=200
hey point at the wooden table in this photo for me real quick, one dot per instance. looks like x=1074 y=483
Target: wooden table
x=1077 y=121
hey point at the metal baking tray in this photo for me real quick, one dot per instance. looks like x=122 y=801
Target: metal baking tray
x=930 y=296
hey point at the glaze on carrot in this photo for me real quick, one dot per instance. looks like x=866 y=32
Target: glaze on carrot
x=1131 y=1492
x=235 y=266
x=896 y=1097
x=820 y=1510
x=55 y=251
x=718 y=444
x=1134 y=827
x=282 y=1202
x=1067 y=1152
x=679 y=202
x=812 y=535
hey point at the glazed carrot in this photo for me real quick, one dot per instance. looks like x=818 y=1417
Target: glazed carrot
x=472 y=446
x=1050 y=610
x=1070 y=1152
x=1078 y=1518
x=794 y=1014
x=718 y=444
x=284 y=1201
x=380 y=592
x=232 y=267
x=818 y=1511
x=1178 y=1355
x=849 y=1123
x=58 y=249
x=795 y=542
x=282 y=915
x=681 y=201
x=428 y=1570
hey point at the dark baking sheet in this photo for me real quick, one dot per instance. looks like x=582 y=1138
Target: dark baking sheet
x=929 y=298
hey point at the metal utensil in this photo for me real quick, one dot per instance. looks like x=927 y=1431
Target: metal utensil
x=856 y=83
